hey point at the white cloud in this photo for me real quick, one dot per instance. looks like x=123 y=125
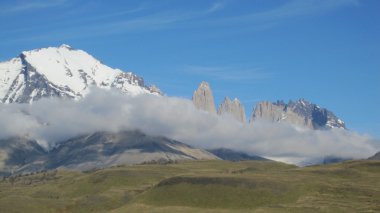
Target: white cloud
x=305 y=7
x=55 y=120
x=215 y=7
x=30 y=5
x=263 y=20
x=106 y=24
x=103 y=24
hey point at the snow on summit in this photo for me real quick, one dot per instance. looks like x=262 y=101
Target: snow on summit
x=61 y=71
x=65 y=67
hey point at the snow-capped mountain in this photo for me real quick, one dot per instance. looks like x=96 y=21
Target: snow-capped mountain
x=63 y=72
x=300 y=113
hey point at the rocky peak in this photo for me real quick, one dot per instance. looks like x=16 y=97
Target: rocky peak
x=62 y=72
x=268 y=111
x=66 y=46
x=203 y=98
x=155 y=90
x=234 y=108
x=300 y=113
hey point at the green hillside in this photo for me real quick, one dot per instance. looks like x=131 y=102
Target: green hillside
x=199 y=186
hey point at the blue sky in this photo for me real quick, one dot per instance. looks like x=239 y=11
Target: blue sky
x=326 y=51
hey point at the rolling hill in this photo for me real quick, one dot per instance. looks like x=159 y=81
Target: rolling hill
x=199 y=186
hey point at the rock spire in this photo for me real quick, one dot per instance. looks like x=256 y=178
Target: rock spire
x=234 y=108
x=203 y=98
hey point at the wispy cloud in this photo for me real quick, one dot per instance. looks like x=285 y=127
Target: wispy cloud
x=141 y=24
x=29 y=5
x=116 y=14
x=54 y=120
x=305 y=7
x=105 y=24
x=215 y=7
x=118 y=22
x=83 y=26
x=292 y=8
x=228 y=73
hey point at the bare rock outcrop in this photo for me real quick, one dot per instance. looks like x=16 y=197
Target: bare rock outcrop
x=234 y=108
x=203 y=98
x=300 y=113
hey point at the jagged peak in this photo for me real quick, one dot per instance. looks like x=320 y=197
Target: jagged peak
x=202 y=87
x=65 y=46
x=303 y=101
x=280 y=103
x=233 y=108
x=227 y=99
x=154 y=89
x=299 y=112
x=233 y=101
x=236 y=100
x=203 y=98
x=204 y=84
x=62 y=46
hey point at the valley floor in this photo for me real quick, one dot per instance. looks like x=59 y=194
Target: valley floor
x=199 y=186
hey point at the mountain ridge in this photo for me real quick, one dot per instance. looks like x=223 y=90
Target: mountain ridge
x=234 y=108
x=232 y=155
x=62 y=72
x=301 y=112
x=94 y=150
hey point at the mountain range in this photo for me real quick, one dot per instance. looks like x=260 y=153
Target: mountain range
x=300 y=113
x=69 y=73
x=95 y=150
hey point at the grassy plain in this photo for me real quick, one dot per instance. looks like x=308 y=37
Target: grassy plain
x=199 y=186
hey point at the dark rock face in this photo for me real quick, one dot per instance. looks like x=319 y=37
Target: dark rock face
x=93 y=147
x=231 y=155
x=324 y=160
x=34 y=87
x=96 y=150
x=331 y=159
x=375 y=157
x=301 y=113
x=17 y=152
